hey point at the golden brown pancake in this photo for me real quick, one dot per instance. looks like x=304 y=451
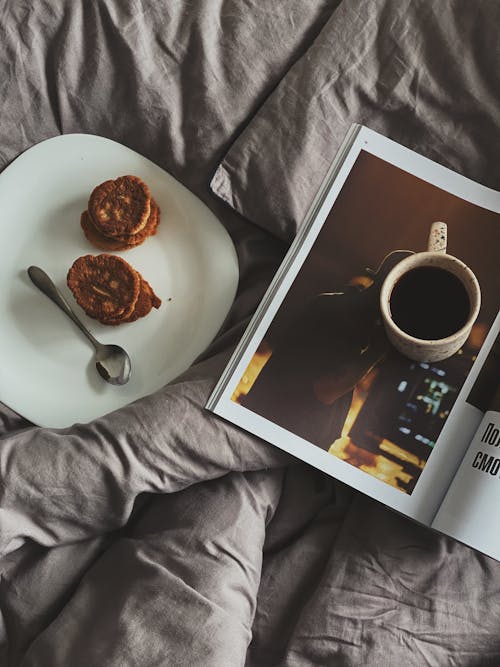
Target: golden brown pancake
x=146 y=301
x=105 y=286
x=124 y=241
x=120 y=206
x=98 y=240
x=149 y=229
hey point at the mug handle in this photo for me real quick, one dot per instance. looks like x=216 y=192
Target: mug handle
x=437 y=237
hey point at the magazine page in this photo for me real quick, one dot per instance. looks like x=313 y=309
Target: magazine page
x=315 y=373
x=469 y=509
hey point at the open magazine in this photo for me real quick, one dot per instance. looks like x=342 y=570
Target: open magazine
x=316 y=375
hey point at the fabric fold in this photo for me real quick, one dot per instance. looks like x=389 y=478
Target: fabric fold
x=61 y=486
x=407 y=69
x=157 y=604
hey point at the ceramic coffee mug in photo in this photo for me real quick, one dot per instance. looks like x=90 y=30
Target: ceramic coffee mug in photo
x=429 y=301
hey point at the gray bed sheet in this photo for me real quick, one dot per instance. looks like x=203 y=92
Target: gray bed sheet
x=158 y=534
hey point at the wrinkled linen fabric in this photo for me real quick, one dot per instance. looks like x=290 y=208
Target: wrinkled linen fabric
x=422 y=73
x=158 y=534
x=175 y=81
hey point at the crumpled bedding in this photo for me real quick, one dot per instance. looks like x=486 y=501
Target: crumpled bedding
x=159 y=534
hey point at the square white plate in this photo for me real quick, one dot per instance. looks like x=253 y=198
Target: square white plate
x=47 y=371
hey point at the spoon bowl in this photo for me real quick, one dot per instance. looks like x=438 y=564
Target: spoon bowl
x=112 y=361
x=113 y=364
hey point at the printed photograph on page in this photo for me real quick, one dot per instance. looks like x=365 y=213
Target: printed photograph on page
x=325 y=370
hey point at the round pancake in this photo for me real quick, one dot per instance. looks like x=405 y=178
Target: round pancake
x=121 y=206
x=149 y=229
x=125 y=241
x=146 y=301
x=99 y=240
x=105 y=286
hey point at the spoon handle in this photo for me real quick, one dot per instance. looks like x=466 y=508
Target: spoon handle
x=44 y=283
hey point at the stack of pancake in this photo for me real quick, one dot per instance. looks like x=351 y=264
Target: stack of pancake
x=110 y=290
x=121 y=214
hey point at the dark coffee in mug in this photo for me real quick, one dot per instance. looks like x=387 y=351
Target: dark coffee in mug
x=430 y=303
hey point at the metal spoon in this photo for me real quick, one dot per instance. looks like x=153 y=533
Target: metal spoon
x=112 y=362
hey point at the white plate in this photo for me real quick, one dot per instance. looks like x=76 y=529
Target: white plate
x=47 y=372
